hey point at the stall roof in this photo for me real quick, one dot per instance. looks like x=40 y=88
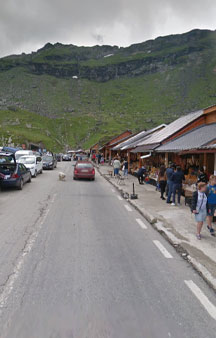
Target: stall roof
x=145 y=148
x=209 y=146
x=117 y=142
x=193 y=139
x=136 y=138
x=172 y=128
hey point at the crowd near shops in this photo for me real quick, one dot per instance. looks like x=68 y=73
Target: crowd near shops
x=179 y=159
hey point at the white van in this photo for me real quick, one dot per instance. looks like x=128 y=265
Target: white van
x=32 y=162
x=20 y=153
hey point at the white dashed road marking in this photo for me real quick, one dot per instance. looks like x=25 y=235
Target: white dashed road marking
x=140 y=222
x=162 y=249
x=113 y=190
x=210 y=308
x=120 y=198
x=127 y=207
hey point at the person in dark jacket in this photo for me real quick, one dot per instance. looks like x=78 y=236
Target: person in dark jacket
x=162 y=180
x=202 y=176
x=199 y=206
x=169 y=174
x=177 y=179
x=211 y=194
x=140 y=174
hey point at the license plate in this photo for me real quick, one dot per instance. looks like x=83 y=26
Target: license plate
x=7 y=177
x=84 y=171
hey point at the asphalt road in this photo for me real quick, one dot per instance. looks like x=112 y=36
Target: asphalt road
x=77 y=261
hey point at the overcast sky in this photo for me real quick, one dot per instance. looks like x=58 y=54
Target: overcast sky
x=26 y=25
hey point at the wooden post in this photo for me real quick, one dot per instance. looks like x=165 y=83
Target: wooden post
x=128 y=159
x=205 y=162
x=110 y=155
x=214 y=163
x=166 y=160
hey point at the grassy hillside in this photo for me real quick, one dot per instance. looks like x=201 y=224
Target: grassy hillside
x=133 y=88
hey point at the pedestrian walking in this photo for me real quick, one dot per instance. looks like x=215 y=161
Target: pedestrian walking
x=140 y=174
x=199 y=206
x=116 y=166
x=211 y=195
x=169 y=174
x=94 y=157
x=177 y=179
x=162 y=180
x=125 y=168
x=99 y=159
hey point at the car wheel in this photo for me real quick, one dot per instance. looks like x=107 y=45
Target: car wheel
x=20 y=187
x=29 y=181
x=74 y=178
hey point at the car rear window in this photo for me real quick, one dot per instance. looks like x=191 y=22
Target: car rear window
x=84 y=165
x=27 y=160
x=6 y=159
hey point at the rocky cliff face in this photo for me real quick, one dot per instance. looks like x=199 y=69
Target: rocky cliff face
x=104 y=63
x=78 y=95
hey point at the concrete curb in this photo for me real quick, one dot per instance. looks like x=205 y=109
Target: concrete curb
x=174 y=241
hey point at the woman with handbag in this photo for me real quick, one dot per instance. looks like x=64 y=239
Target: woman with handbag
x=199 y=207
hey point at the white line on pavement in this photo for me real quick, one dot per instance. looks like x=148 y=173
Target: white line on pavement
x=113 y=190
x=140 y=222
x=210 y=308
x=162 y=249
x=120 y=198
x=127 y=207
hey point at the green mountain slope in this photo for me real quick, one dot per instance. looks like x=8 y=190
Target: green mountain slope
x=63 y=95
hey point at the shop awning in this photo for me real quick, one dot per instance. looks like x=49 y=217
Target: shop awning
x=194 y=139
x=144 y=149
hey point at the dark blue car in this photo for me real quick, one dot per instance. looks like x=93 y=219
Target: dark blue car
x=12 y=174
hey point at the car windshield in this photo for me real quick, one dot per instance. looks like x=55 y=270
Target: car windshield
x=47 y=158
x=84 y=165
x=6 y=159
x=27 y=160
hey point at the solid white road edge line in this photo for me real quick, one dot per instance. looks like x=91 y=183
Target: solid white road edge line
x=162 y=249
x=18 y=267
x=140 y=222
x=127 y=207
x=120 y=198
x=210 y=308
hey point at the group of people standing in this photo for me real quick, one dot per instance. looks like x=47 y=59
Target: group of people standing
x=203 y=204
x=171 y=180
x=98 y=158
x=117 y=166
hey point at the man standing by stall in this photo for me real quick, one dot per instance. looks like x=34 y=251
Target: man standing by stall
x=169 y=174
x=177 y=179
x=211 y=194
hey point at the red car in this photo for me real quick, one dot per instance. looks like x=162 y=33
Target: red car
x=84 y=169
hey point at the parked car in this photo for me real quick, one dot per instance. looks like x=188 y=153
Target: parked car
x=84 y=170
x=34 y=163
x=12 y=174
x=66 y=157
x=59 y=157
x=20 y=153
x=49 y=162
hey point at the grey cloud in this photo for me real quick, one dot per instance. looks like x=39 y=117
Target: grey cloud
x=26 y=25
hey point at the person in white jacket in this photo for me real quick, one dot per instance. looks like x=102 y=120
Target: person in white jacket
x=116 y=166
